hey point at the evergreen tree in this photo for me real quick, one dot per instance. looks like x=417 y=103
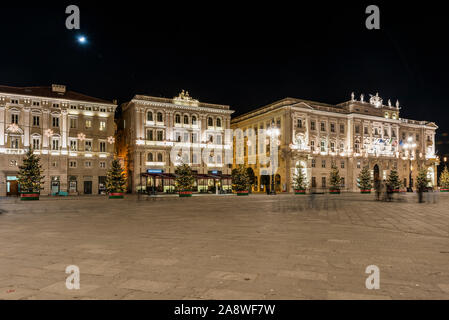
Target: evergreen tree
x=299 y=179
x=335 y=180
x=444 y=178
x=393 y=180
x=422 y=180
x=364 y=179
x=29 y=177
x=240 y=178
x=251 y=176
x=115 y=180
x=184 y=180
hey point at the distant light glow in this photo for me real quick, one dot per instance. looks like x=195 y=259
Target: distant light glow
x=82 y=39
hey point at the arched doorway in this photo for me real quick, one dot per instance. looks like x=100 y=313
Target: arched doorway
x=277 y=181
x=376 y=173
x=430 y=176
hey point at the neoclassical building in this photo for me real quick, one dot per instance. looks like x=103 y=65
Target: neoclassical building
x=72 y=133
x=150 y=128
x=352 y=135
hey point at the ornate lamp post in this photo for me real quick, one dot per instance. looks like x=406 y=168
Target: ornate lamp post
x=273 y=132
x=411 y=146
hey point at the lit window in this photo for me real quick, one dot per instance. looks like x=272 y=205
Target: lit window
x=55 y=122
x=73 y=123
x=88 y=124
x=36 y=143
x=102 y=125
x=87 y=145
x=73 y=145
x=102 y=146
x=150 y=135
x=55 y=144
x=15 y=118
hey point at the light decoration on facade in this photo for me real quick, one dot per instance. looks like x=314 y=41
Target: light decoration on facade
x=111 y=140
x=48 y=133
x=14 y=128
x=81 y=136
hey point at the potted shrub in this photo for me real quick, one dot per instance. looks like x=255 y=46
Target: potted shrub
x=444 y=180
x=393 y=181
x=364 y=181
x=184 y=180
x=335 y=180
x=299 y=181
x=29 y=177
x=240 y=180
x=116 y=181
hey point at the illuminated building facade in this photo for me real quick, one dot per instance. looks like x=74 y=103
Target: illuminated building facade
x=352 y=135
x=72 y=133
x=153 y=128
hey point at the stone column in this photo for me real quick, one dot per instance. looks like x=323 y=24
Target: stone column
x=26 y=127
x=64 y=129
x=45 y=126
x=2 y=126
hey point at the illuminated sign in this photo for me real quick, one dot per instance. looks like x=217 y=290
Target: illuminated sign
x=155 y=171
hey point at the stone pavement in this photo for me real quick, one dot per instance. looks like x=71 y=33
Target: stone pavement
x=212 y=247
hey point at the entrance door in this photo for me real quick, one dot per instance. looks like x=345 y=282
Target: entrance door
x=54 y=187
x=12 y=188
x=87 y=187
x=376 y=172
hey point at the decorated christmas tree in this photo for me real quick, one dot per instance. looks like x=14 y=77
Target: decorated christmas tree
x=240 y=179
x=29 y=177
x=364 y=180
x=393 y=180
x=184 y=179
x=116 y=180
x=299 y=179
x=444 y=180
x=335 y=180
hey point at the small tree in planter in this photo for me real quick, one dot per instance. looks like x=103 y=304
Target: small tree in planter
x=421 y=183
x=335 y=180
x=30 y=178
x=184 y=180
x=393 y=181
x=299 y=181
x=251 y=177
x=240 y=180
x=444 y=180
x=364 y=181
x=115 y=180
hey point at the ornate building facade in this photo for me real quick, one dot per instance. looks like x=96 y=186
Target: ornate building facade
x=151 y=128
x=72 y=133
x=351 y=135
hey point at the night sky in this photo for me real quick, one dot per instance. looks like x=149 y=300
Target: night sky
x=245 y=56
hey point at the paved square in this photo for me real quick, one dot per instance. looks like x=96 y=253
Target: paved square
x=224 y=247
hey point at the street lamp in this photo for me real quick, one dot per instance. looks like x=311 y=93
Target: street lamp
x=411 y=146
x=273 y=132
